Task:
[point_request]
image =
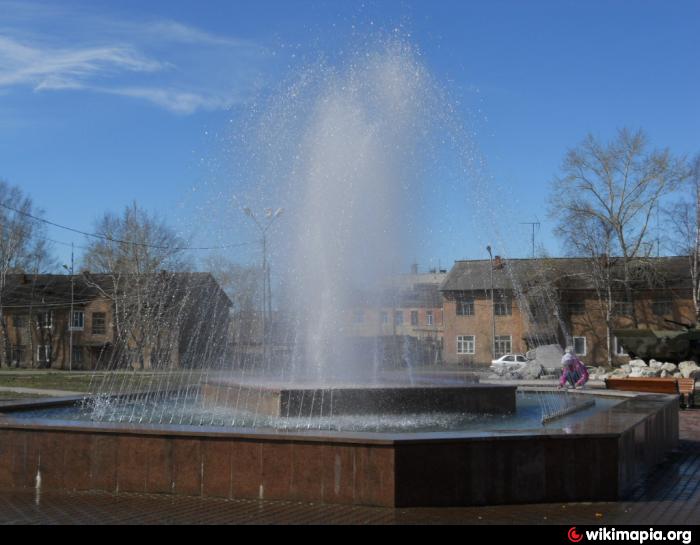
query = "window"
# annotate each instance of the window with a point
(414, 317)
(45, 319)
(503, 345)
(662, 308)
(384, 316)
(618, 349)
(624, 308)
(502, 307)
(576, 307)
(358, 317)
(78, 321)
(579, 346)
(17, 354)
(521, 359)
(19, 321)
(465, 307)
(99, 323)
(466, 344)
(398, 317)
(77, 354)
(428, 317)
(43, 353)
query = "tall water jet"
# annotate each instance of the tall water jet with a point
(356, 184)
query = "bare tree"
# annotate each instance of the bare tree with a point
(243, 285)
(134, 242)
(23, 247)
(135, 248)
(603, 203)
(684, 222)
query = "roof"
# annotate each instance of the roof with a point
(567, 272)
(22, 290)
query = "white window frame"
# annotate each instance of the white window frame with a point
(463, 304)
(618, 349)
(585, 346)
(46, 349)
(463, 344)
(74, 327)
(501, 339)
(43, 323)
(504, 303)
(428, 317)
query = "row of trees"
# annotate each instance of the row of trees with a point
(605, 202)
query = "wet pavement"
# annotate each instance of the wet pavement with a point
(669, 495)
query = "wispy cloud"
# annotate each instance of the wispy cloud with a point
(163, 62)
(48, 68)
(179, 102)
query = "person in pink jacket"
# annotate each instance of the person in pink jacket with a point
(573, 371)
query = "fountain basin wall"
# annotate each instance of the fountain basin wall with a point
(280, 400)
(598, 459)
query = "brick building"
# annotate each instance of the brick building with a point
(408, 306)
(138, 321)
(531, 302)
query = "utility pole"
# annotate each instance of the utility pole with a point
(533, 224)
(70, 317)
(270, 217)
(493, 308)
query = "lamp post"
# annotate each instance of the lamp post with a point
(70, 316)
(493, 308)
(263, 227)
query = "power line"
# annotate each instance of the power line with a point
(118, 241)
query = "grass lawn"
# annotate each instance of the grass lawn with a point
(81, 381)
(9, 396)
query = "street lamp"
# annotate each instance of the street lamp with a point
(493, 308)
(70, 316)
(270, 217)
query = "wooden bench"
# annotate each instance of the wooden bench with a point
(684, 387)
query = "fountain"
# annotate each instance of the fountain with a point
(349, 150)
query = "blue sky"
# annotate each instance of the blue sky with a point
(103, 103)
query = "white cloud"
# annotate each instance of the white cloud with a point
(174, 66)
(44, 67)
(179, 102)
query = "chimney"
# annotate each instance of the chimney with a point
(498, 262)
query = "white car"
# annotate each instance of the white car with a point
(509, 361)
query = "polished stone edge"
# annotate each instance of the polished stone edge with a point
(429, 470)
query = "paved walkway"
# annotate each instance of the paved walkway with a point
(670, 495)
